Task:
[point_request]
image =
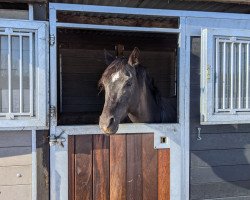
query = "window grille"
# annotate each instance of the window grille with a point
(225, 73)
(232, 74)
(17, 86)
(23, 74)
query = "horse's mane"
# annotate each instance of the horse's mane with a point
(142, 73)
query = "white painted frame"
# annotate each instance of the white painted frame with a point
(40, 31)
(177, 134)
(208, 63)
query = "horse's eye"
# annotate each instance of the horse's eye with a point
(128, 84)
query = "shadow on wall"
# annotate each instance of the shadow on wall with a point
(220, 160)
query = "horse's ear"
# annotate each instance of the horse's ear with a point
(108, 57)
(134, 57)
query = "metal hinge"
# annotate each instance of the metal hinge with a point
(52, 39)
(52, 111)
(57, 140)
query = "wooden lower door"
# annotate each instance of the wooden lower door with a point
(118, 167)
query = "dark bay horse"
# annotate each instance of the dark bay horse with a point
(129, 91)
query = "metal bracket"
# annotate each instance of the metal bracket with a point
(199, 134)
(161, 141)
(52, 111)
(52, 39)
(57, 140)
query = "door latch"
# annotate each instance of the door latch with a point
(57, 140)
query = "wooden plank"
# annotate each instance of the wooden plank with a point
(149, 168)
(220, 141)
(118, 167)
(14, 14)
(12, 177)
(15, 156)
(83, 167)
(134, 167)
(15, 138)
(224, 190)
(71, 167)
(101, 167)
(25, 1)
(16, 192)
(220, 157)
(43, 167)
(220, 174)
(164, 174)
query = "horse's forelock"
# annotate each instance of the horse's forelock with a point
(116, 65)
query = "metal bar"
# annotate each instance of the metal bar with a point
(233, 110)
(31, 74)
(247, 78)
(21, 72)
(144, 11)
(217, 76)
(15, 34)
(123, 28)
(31, 12)
(9, 73)
(232, 77)
(224, 77)
(239, 75)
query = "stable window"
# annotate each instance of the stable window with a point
(225, 76)
(22, 74)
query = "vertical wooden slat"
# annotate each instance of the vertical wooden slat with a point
(149, 167)
(134, 167)
(118, 167)
(71, 161)
(83, 167)
(100, 167)
(164, 174)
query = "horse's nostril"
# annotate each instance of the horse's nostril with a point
(112, 120)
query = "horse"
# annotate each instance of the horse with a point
(130, 92)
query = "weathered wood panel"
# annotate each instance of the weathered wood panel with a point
(123, 167)
(83, 165)
(118, 167)
(15, 175)
(149, 168)
(15, 156)
(15, 139)
(220, 157)
(14, 14)
(134, 166)
(43, 167)
(15, 192)
(164, 174)
(224, 190)
(100, 167)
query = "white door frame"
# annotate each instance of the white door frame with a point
(178, 134)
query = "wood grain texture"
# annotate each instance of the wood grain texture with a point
(118, 167)
(16, 192)
(15, 156)
(83, 167)
(15, 138)
(149, 168)
(100, 167)
(12, 178)
(134, 167)
(164, 174)
(43, 165)
(71, 161)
